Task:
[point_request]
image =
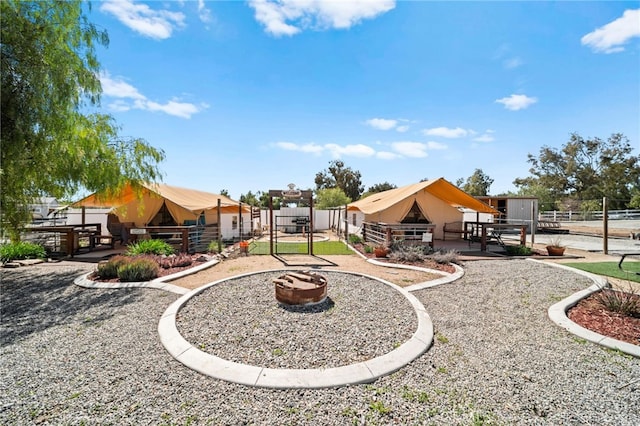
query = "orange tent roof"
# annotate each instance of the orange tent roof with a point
(440, 188)
(190, 199)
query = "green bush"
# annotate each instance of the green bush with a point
(354, 239)
(109, 269)
(21, 250)
(368, 249)
(140, 269)
(518, 250)
(158, 247)
(213, 247)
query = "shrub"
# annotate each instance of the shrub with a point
(109, 269)
(21, 250)
(213, 247)
(518, 250)
(354, 239)
(158, 247)
(139, 269)
(406, 253)
(368, 249)
(175, 261)
(444, 257)
(622, 302)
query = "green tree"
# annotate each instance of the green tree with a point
(225, 193)
(48, 145)
(339, 176)
(250, 198)
(378, 187)
(331, 197)
(477, 184)
(587, 169)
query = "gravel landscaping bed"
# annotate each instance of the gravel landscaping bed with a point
(270, 335)
(73, 355)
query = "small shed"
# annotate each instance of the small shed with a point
(514, 209)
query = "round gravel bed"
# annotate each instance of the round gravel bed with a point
(361, 318)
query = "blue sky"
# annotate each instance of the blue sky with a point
(254, 95)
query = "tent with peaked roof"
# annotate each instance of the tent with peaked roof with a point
(435, 201)
(149, 205)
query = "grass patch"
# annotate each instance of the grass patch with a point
(610, 269)
(320, 248)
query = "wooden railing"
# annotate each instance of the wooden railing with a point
(386, 234)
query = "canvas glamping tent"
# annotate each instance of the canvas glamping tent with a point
(435, 201)
(160, 204)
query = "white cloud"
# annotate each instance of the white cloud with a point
(402, 129)
(487, 136)
(310, 148)
(157, 24)
(446, 132)
(289, 17)
(358, 150)
(122, 90)
(517, 102)
(410, 149)
(203, 12)
(382, 123)
(436, 145)
(118, 88)
(611, 37)
(512, 63)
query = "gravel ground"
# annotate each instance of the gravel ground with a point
(298, 337)
(78, 356)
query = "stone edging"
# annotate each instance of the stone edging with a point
(558, 313)
(447, 277)
(158, 283)
(250, 375)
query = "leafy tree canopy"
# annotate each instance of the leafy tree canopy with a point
(331, 197)
(586, 169)
(48, 145)
(378, 187)
(339, 176)
(477, 184)
(250, 198)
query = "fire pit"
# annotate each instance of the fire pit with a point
(301, 288)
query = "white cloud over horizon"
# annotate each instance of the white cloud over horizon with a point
(389, 124)
(517, 102)
(400, 149)
(447, 132)
(611, 37)
(290, 17)
(156, 24)
(123, 91)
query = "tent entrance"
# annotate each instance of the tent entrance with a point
(415, 215)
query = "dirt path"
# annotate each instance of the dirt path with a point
(351, 263)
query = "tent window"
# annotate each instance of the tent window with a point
(234, 222)
(415, 215)
(354, 219)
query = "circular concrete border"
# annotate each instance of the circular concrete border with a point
(362, 372)
(558, 313)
